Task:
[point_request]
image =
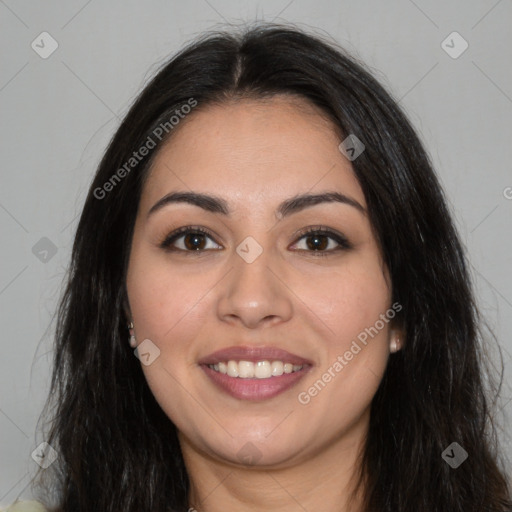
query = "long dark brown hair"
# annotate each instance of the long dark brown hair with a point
(118, 451)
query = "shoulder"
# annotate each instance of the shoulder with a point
(24, 506)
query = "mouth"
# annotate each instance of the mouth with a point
(254, 373)
(259, 370)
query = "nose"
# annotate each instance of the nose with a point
(255, 293)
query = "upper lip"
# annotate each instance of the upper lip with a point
(254, 354)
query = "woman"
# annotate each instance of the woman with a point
(268, 305)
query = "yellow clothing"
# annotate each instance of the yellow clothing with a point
(24, 506)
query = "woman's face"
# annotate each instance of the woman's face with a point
(257, 286)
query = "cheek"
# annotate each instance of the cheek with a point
(163, 297)
(360, 334)
(355, 346)
(346, 301)
(168, 308)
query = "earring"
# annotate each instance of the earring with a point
(393, 346)
(133, 341)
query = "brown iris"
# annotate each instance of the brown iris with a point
(317, 242)
(194, 241)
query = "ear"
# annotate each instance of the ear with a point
(396, 339)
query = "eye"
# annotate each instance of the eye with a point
(317, 240)
(322, 241)
(189, 239)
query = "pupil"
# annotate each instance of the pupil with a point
(319, 242)
(194, 241)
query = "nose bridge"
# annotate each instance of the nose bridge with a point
(253, 291)
(251, 262)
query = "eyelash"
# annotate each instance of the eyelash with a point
(341, 240)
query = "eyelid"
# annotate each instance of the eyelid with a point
(166, 243)
(339, 238)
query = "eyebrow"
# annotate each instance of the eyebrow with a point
(218, 205)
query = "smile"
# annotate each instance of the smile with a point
(258, 369)
(254, 373)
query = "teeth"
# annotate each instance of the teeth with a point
(232, 369)
(262, 370)
(258, 370)
(245, 369)
(277, 368)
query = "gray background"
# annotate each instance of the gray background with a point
(58, 114)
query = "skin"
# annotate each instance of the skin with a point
(256, 154)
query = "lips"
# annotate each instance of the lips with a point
(254, 389)
(254, 354)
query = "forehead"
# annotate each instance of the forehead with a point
(253, 152)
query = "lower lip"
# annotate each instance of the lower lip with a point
(254, 389)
